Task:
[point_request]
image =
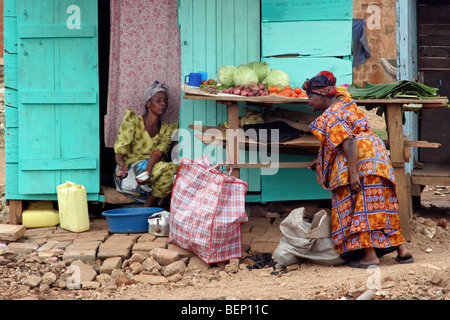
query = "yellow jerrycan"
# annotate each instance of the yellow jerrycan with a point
(73, 208)
(40, 214)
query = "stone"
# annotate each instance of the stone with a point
(49, 278)
(115, 248)
(79, 254)
(90, 285)
(150, 279)
(136, 267)
(178, 267)
(442, 223)
(106, 280)
(20, 247)
(11, 232)
(181, 251)
(164, 257)
(47, 246)
(151, 264)
(32, 281)
(110, 264)
(123, 279)
(147, 246)
(83, 271)
(137, 257)
(196, 264)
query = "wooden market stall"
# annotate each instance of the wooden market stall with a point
(398, 146)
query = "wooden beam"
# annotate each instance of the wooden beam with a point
(397, 145)
(15, 211)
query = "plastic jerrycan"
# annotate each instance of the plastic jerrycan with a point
(73, 208)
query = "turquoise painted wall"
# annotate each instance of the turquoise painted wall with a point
(51, 97)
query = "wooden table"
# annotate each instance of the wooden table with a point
(399, 148)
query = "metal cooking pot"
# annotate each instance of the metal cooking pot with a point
(158, 224)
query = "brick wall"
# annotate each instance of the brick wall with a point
(380, 17)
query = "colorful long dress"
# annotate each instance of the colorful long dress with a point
(368, 218)
(135, 143)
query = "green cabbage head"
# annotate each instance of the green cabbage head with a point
(261, 68)
(225, 75)
(276, 78)
(244, 76)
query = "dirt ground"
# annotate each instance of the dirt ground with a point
(425, 279)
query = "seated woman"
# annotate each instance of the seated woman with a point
(354, 164)
(143, 145)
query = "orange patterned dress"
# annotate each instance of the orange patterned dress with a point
(368, 218)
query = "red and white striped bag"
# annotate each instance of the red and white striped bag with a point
(206, 211)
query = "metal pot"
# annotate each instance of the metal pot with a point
(158, 224)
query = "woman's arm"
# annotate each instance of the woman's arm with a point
(351, 153)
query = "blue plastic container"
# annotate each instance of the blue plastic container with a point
(129, 220)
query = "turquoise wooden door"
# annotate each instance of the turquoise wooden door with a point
(58, 107)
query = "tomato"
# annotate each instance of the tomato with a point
(288, 88)
(297, 90)
(211, 81)
(204, 82)
(279, 89)
(272, 89)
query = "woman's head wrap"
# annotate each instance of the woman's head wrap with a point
(323, 84)
(153, 89)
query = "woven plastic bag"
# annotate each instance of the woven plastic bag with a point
(207, 210)
(302, 240)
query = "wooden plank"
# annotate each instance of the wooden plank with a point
(11, 232)
(434, 63)
(314, 38)
(79, 163)
(395, 132)
(295, 10)
(433, 13)
(433, 51)
(55, 31)
(43, 97)
(10, 34)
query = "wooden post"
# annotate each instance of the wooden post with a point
(15, 211)
(233, 145)
(397, 147)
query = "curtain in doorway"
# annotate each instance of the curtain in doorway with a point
(145, 46)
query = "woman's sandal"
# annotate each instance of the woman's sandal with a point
(407, 259)
(357, 264)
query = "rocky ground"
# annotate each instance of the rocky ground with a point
(38, 270)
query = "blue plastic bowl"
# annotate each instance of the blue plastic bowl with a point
(129, 220)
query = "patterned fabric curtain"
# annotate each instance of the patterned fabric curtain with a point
(145, 46)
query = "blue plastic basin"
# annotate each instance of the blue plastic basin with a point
(129, 220)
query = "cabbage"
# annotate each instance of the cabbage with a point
(225, 75)
(261, 68)
(244, 76)
(276, 78)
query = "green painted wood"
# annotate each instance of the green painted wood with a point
(55, 31)
(11, 145)
(297, 10)
(60, 97)
(11, 70)
(49, 131)
(215, 34)
(323, 38)
(10, 32)
(79, 163)
(301, 68)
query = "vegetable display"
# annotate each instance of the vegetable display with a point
(252, 80)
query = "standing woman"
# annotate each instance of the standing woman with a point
(143, 145)
(354, 164)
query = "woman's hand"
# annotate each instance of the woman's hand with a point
(122, 171)
(355, 182)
